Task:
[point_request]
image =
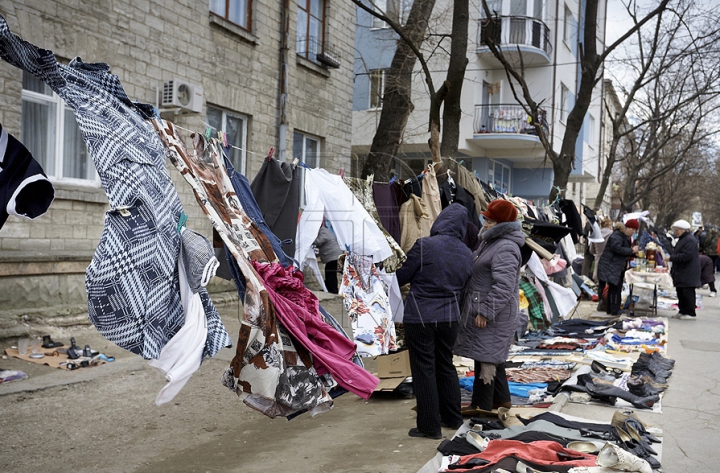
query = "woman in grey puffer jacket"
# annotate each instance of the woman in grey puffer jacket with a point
(488, 319)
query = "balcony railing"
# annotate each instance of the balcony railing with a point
(505, 119)
(512, 30)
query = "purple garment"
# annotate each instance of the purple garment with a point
(298, 310)
(388, 209)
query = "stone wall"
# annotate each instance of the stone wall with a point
(146, 43)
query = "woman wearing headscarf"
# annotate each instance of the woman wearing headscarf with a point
(685, 269)
(490, 305)
(438, 267)
(613, 262)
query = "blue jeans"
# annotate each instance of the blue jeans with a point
(247, 200)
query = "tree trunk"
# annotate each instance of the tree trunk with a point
(452, 110)
(396, 99)
(607, 172)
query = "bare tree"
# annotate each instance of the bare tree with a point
(668, 101)
(396, 104)
(591, 61)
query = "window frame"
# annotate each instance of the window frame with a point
(248, 14)
(303, 159)
(242, 169)
(308, 53)
(564, 102)
(491, 175)
(381, 73)
(375, 22)
(591, 131)
(59, 149)
(567, 25)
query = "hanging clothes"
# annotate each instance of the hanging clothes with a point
(25, 190)
(431, 194)
(448, 195)
(469, 182)
(387, 208)
(277, 191)
(366, 302)
(415, 222)
(327, 196)
(138, 308)
(362, 189)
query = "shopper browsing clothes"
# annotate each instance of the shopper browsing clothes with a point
(490, 307)
(613, 262)
(437, 267)
(329, 252)
(685, 269)
(707, 272)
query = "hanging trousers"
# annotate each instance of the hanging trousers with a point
(331, 276)
(686, 300)
(484, 395)
(435, 381)
(614, 296)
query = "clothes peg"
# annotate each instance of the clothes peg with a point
(208, 133)
(181, 222)
(224, 139)
(271, 153)
(294, 162)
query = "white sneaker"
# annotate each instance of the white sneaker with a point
(612, 456)
(477, 440)
(687, 317)
(713, 294)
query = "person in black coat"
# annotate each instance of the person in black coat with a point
(613, 262)
(438, 268)
(685, 270)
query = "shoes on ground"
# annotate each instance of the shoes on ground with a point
(713, 294)
(686, 317)
(414, 432)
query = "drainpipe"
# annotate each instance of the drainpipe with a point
(284, 79)
(554, 77)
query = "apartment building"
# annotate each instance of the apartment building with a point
(267, 73)
(496, 139)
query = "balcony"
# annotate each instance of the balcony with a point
(530, 35)
(506, 127)
(317, 51)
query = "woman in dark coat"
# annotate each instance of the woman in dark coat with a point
(490, 305)
(707, 273)
(613, 262)
(685, 270)
(438, 267)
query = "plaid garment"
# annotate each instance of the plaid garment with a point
(132, 282)
(536, 310)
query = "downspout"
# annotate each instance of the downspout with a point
(602, 106)
(284, 80)
(554, 77)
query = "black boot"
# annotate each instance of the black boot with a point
(603, 391)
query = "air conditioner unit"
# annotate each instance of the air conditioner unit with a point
(177, 93)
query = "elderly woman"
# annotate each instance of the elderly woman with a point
(613, 262)
(438, 267)
(490, 305)
(685, 269)
(597, 250)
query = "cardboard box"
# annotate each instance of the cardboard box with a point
(392, 370)
(394, 365)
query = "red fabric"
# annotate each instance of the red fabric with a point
(633, 223)
(501, 211)
(544, 452)
(297, 310)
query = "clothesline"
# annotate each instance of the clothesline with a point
(229, 145)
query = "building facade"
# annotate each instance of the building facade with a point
(232, 66)
(496, 139)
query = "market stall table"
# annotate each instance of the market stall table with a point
(656, 279)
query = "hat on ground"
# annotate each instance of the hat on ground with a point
(632, 223)
(501, 211)
(681, 224)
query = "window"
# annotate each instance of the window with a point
(591, 131)
(499, 177)
(51, 134)
(235, 11)
(397, 10)
(310, 28)
(567, 25)
(235, 127)
(307, 149)
(377, 87)
(495, 7)
(564, 102)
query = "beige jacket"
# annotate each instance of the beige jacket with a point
(467, 181)
(415, 222)
(431, 195)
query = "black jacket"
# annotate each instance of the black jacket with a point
(463, 198)
(685, 261)
(611, 267)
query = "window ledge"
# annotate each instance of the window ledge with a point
(81, 193)
(236, 30)
(308, 64)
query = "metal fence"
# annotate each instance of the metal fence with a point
(505, 119)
